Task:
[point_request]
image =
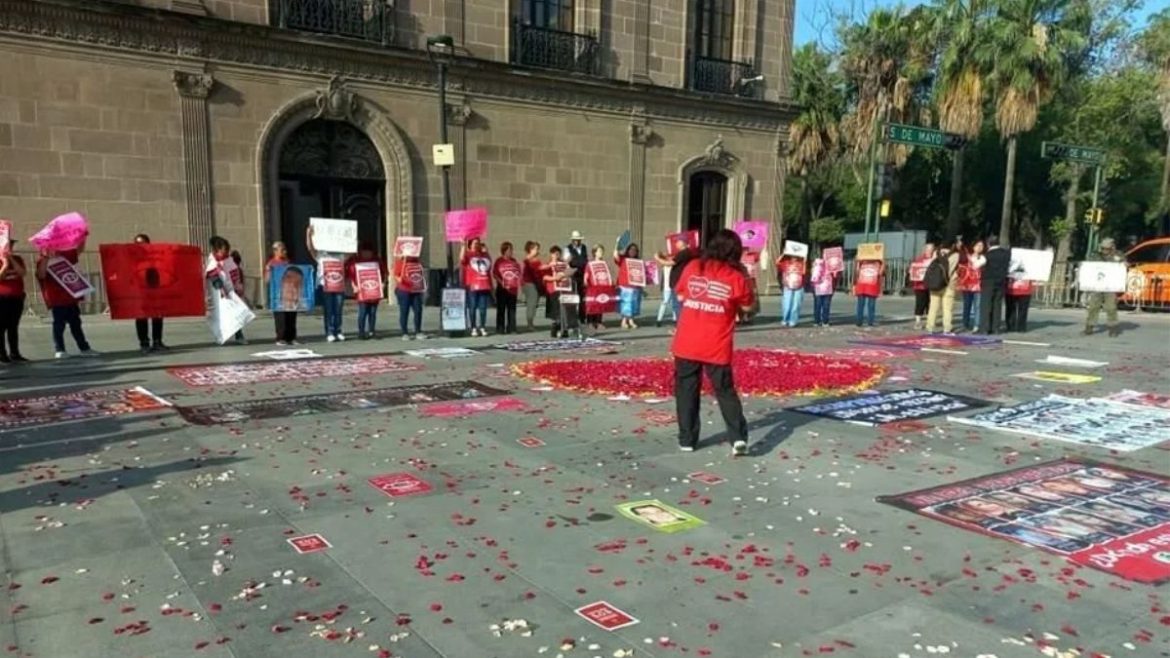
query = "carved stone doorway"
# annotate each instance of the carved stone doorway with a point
(331, 169)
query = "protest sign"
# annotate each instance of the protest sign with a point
(153, 280)
(463, 225)
(929, 341)
(1094, 422)
(1110, 518)
(345, 401)
(794, 248)
(332, 275)
(1127, 396)
(69, 277)
(917, 270)
(657, 515)
(336, 236)
(400, 485)
(62, 233)
(53, 409)
(368, 282)
(688, 238)
(407, 246)
(291, 288)
(1093, 276)
(229, 314)
(871, 251)
(623, 241)
(454, 309)
(636, 272)
(600, 300)
(1059, 377)
(652, 272)
(599, 274)
(878, 407)
(835, 259)
(753, 233)
(415, 278)
(309, 544)
(5, 237)
(707, 478)
(556, 344)
(751, 263)
(565, 283)
(467, 408)
(308, 367)
(606, 616)
(1032, 264)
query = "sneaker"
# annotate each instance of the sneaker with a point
(407, 337)
(281, 343)
(241, 341)
(330, 338)
(160, 346)
(341, 337)
(419, 337)
(90, 354)
(144, 348)
(739, 448)
(16, 358)
(686, 448)
(61, 355)
(294, 342)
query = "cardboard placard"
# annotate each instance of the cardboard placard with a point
(1095, 276)
(835, 259)
(70, 278)
(368, 281)
(752, 233)
(454, 309)
(690, 238)
(871, 251)
(794, 248)
(636, 272)
(408, 246)
(918, 270)
(880, 407)
(565, 284)
(309, 544)
(153, 280)
(332, 275)
(1032, 264)
(415, 277)
(461, 225)
(606, 616)
(292, 288)
(400, 485)
(337, 236)
(599, 274)
(600, 300)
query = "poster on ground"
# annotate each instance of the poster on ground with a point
(1094, 276)
(292, 288)
(657, 515)
(311, 405)
(285, 370)
(879, 407)
(1097, 515)
(442, 353)
(336, 236)
(153, 280)
(1094, 422)
(556, 345)
(930, 341)
(1058, 377)
(1033, 264)
(1159, 400)
(65, 408)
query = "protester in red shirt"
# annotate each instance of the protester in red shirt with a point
(1016, 303)
(533, 283)
(477, 279)
(867, 287)
(556, 273)
(63, 305)
(11, 304)
(713, 291)
(410, 285)
(291, 286)
(367, 308)
(149, 341)
(917, 275)
(508, 274)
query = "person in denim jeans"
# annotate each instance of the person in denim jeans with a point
(867, 287)
(331, 280)
(410, 284)
(62, 304)
(367, 310)
(823, 283)
(790, 270)
(477, 279)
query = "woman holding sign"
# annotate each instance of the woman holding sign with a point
(597, 284)
(477, 278)
(57, 272)
(631, 281)
(331, 279)
(365, 273)
(290, 290)
(790, 270)
(507, 273)
(557, 278)
(411, 283)
(867, 287)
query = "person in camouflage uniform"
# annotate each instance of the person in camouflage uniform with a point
(1107, 251)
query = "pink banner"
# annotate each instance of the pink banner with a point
(62, 233)
(466, 224)
(369, 282)
(835, 259)
(753, 233)
(66, 274)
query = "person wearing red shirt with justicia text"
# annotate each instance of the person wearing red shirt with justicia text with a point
(713, 290)
(12, 298)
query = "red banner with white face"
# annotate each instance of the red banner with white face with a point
(154, 280)
(332, 275)
(368, 280)
(600, 300)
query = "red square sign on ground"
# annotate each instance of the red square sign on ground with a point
(707, 478)
(530, 442)
(397, 485)
(309, 544)
(606, 616)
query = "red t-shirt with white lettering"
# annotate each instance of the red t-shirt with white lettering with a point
(477, 271)
(711, 294)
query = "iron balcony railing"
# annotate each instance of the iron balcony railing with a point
(554, 49)
(368, 20)
(720, 76)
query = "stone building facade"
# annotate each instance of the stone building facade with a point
(187, 118)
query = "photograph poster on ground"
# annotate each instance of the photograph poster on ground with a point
(1097, 515)
(659, 516)
(52, 409)
(308, 367)
(880, 407)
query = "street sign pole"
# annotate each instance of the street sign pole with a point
(1092, 246)
(1081, 155)
(869, 202)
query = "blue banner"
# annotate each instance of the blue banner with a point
(291, 288)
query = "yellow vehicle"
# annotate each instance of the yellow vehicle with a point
(1148, 284)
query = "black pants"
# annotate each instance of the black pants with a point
(1017, 312)
(688, 384)
(505, 311)
(286, 325)
(921, 302)
(11, 308)
(156, 328)
(68, 316)
(990, 307)
(579, 288)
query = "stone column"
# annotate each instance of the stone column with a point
(458, 114)
(194, 89)
(640, 134)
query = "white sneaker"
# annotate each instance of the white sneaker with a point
(61, 355)
(90, 354)
(331, 338)
(421, 336)
(739, 448)
(406, 337)
(281, 343)
(686, 448)
(341, 337)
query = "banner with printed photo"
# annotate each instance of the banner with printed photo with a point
(69, 407)
(636, 270)
(292, 288)
(408, 246)
(153, 280)
(652, 272)
(1158, 400)
(753, 234)
(309, 367)
(368, 282)
(311, 405)
(835, 259)
(600, 300)
(879, 407)
(1094, 422)
(657, 515)
(1110, 518)
(70, 278)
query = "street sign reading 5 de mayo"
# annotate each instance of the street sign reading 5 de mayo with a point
(915, 135)
(1057, 151)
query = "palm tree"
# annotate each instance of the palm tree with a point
(1155, 48)
(814, 137)
(1033, 42)
(963, 64)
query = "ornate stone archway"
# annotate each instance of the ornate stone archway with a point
(715, 158)
(338, 103)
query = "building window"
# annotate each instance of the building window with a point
(707, 204)
(712, 69)
(714, 22)
(368, 20)
(543, 37)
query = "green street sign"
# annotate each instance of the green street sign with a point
(1055, 151)
(916, 136)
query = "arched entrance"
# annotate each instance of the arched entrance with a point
(706, 204)
(330, 169)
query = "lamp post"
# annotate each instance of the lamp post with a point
(440, 50)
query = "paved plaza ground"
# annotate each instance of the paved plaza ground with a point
(145, 535)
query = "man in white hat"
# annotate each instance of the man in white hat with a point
(1107, 252)
(578, 257)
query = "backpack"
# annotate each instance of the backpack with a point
(937, 278)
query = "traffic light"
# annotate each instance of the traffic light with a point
(885, 182)
(1094, 216)
(953, 142)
